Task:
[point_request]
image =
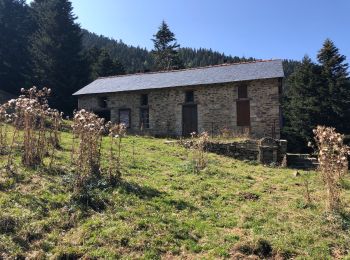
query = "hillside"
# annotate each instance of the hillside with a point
(163, 209)
(136, 59)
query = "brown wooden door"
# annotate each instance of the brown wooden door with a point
(189, 119)
(243, 113)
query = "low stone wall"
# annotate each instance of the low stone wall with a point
(265, 151)
(247, 150)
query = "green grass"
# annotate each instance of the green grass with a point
(162, 209)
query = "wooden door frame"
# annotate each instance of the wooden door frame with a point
(249, 112)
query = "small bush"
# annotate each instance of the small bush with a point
(226, 133)
(332, 156)
(30, 113)
(198, 144)
(116, 134)
(87, 129)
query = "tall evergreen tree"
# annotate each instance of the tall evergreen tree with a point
(335, 91)
(317, 95)
(15, 29)
(166, 49)
(56, 51)
(102, 64)
(301, 104)
(106, 66)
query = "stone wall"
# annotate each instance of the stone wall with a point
(247, 150)
(216, 105)
(265, 151)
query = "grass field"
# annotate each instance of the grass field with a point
(162, 209)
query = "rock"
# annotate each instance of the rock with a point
(169, 142)
(296, 174)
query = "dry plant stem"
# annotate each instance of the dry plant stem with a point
(307, 192)
(111, 155)
(12, 146)
(3, 138)
(88, 130)
(133, 152)
(52, 156)
(198, 146)
(116, 134)
(73, 150)
(3, 130)
(29, 113)
(332, 157)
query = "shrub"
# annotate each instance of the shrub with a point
(31, 113)
(116, 134)
(198, 146)
(332, 157)
(88, 129)
(226, 133)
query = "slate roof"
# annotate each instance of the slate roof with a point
(188, 77)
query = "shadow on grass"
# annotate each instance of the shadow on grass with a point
(54, 170)
(345, 183)
(142, 192)
(345, 217)
(179, 204)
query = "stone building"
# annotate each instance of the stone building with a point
(236, 97)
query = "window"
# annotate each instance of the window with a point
(189, 97)
(242, 91)
(144, 100)
(106, 114)
(102, 102)
(243, 113)
(144, 118)
(125, 117)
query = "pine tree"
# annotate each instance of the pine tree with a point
(301, 105)
(335, 91)
(15, 29)
(166, 49)
(317, 95)
(56, 51)
(106, 66)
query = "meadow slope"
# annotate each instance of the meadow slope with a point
(162, 209)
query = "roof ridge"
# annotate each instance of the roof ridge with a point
(187, 69)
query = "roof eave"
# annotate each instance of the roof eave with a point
(203, 84)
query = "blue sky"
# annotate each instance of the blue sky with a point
(258, 28)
